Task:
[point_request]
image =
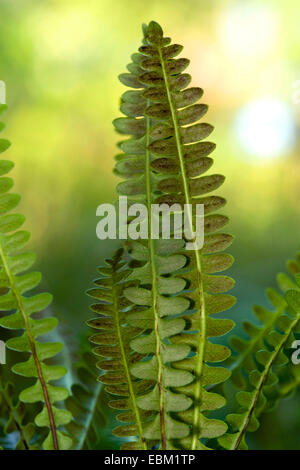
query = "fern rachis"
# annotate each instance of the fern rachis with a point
(187, 197)
(155, 292)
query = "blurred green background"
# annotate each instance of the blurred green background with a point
(60, 60)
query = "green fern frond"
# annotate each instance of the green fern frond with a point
(247, 348)
(85, 406)
(113, 345)
(264, 377)
(289, 381)
(164, 162)
(12, 414)
(157, 259)
(14, 284)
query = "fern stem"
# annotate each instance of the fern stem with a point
(115, 296)
(154, 294)
(33, 349)
(187, 196)
(263, 377)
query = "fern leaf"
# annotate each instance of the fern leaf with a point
(85, 406)
(264, 378)
(15, 284)
(161, 167)
(157, 259)
(244, 362)
(112, 342)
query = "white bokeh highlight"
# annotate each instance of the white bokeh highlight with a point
(265, 129)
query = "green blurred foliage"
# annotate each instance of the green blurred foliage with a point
(60, 60)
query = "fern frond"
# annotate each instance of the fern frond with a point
(263, 379)
(156, 259)
(160, 166)
(289, 380)
(247, 348)
(85, 406)
(14, 284)
(113, 345)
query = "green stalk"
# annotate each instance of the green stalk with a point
(202, 326)
(154, 294)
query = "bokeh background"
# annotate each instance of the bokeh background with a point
(60, 60)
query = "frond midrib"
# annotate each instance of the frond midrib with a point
(202, 307)
(154, 290)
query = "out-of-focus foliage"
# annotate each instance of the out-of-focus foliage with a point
(60, 60)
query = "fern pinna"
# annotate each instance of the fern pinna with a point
(177, 295)
(21, 309)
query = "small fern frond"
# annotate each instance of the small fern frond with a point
(14, 284)
(85, 406)
(247, 348)
(264, 378)
(163, 163)
(289, 379)
(12, 413)
(113, 345)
